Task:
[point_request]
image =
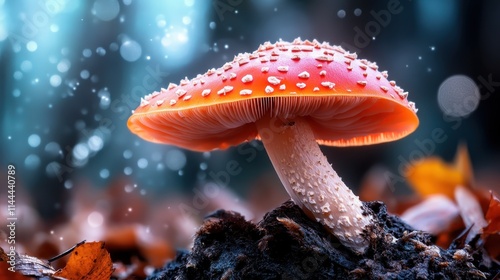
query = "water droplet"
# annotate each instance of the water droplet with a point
(212, 25)
(357, 12)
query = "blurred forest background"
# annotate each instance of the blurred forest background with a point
(71, 72)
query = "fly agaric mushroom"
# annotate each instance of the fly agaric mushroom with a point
(291, 96)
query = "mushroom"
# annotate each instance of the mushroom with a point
(291, 96)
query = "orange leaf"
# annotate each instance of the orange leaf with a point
(434, 176)
(88, 261)
(493, 216)
(7, 272)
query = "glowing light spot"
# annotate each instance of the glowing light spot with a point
(63, 65)
(55, 80)
(31, 46)
(87, 53)
(32, 161)
(175, 159)
(106, 10)
(127, 170)
(84, 74)
(142, 163)
(34, 140)
(95, 143)
(104, 173)
(130, 50)
(95, 219)
(26, 65)
(458, 96)
(186, 20)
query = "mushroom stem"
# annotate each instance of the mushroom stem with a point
(312, 183)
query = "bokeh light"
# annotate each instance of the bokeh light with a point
(458, 96)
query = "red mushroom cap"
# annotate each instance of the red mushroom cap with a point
(347, 101)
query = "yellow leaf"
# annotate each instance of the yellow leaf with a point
(434, 176)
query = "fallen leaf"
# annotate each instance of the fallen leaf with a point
(470, 211)
(88, 261)
(7, 273)
(34, 267)
(434, 176)
(493, 216)
(435, 214)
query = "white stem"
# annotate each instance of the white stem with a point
(312, 183)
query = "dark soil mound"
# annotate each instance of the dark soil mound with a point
(286, 244)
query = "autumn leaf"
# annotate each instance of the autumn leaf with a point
(89, 261)
(435, 214)
(7, 273)
(434, 176)
(470, 211)
(493, 216)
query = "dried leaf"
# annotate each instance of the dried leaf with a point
(34, 267)
(6, 272)
(434, 176)
(493, 216)
(470, 211)
(23, 265)
(88, 261)
(435, 214)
